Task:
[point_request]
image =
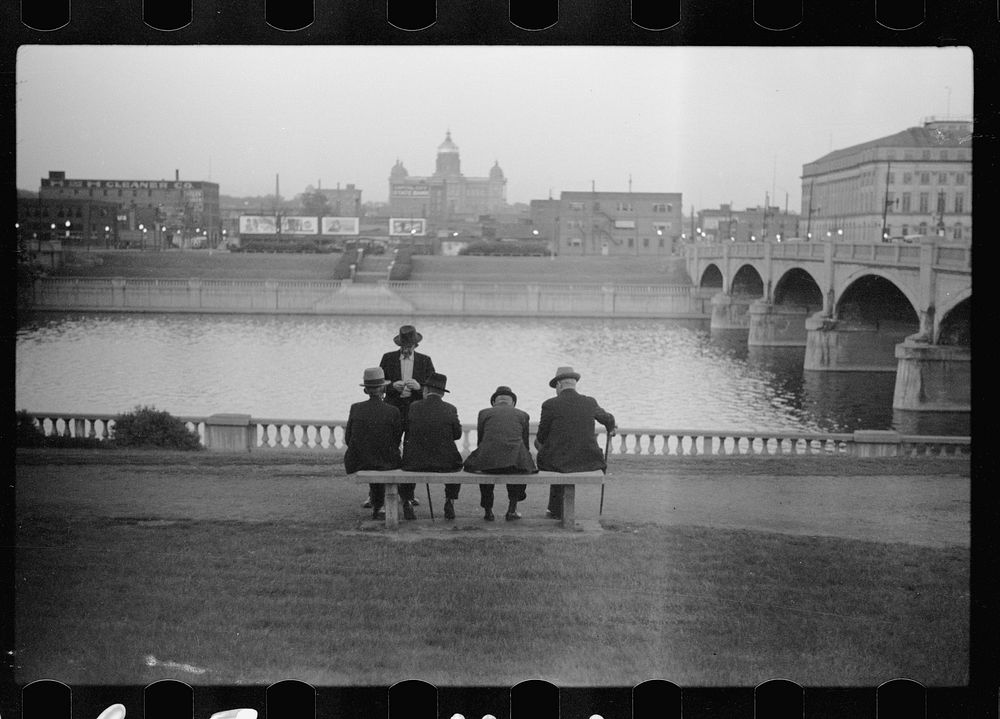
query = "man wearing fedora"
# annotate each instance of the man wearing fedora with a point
(429, 442)
(372, 435)
(405, 369)
(502, 447)
(566, 441)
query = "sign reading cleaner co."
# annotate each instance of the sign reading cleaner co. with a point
(124, 184)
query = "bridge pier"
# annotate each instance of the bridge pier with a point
(730, 313)
(840, 346)
(932, 378)
(774, 325)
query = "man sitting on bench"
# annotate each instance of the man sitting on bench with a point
(565, 439)
(502, 447)
(429, 444)
(372, 435)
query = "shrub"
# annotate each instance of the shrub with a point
(508, 249)
(147, 427)
(342, 270)
(26, 432)
(402, 265)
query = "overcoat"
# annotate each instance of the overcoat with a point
(390, 364)
(502, 441)
(429, 445)
(372, 436)
(566, 433)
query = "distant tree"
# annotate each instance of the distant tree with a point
(314, 203)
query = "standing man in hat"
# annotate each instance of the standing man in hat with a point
(372, 435)
(501, 448)
(565, 439)
(405, 369)
(429, 443)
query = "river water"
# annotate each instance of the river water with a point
(648, 373)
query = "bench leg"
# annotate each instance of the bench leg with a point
(569, 506)
(391, 506)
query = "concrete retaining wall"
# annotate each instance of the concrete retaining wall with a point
(346, 298)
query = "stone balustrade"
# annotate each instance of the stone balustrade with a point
(228, 432)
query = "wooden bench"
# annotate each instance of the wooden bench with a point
(392, 478)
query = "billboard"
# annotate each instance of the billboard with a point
(407, 226)
(299, 225)
(258, 225)
(339, 225)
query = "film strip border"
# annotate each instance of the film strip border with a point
(654, 16)
(413, 699)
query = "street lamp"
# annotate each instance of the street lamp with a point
(52, 231)
(107, 236)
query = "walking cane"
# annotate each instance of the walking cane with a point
(430, 506)
(607, 445)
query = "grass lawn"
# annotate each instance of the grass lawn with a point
(199, 264)
(256, 569)
(177, 264)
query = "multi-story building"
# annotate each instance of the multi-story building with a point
(176, 208)
(611, 223)
(749, 225)
(447, 194)
(340, 202)
(915, 182)
(72, 221)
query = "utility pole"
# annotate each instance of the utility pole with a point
(809, 216)
(886, 202)
(763, 222)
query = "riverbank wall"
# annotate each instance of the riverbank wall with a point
(503, 299)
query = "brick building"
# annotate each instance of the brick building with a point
(749, 225)
(611, 223)
(178, 209)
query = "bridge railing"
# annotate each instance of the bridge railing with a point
(277, 434)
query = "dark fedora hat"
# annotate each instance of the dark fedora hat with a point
(563, 373)
(407, 335)
(503, 389)
(437, 381)
(375, 377)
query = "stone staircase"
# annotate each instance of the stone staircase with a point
(373, 269)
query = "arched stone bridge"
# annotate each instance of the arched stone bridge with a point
(854, 307)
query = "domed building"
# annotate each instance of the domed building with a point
(447, 195)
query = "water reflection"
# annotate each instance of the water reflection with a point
(649, 373)
(849, 400)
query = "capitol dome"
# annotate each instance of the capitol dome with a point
(398, 172)
(495, 172)
(447, 145)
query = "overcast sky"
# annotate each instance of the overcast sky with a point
(716, 124)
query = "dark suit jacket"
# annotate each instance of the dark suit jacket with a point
(422, 367)
(502, 441)
(566, 433)
(430, 437)
(372, 436)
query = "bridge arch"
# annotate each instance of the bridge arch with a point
(955, 325)
(711, 278)
(798, 287)
(875, 300)
(747, 282)
(885, 277)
